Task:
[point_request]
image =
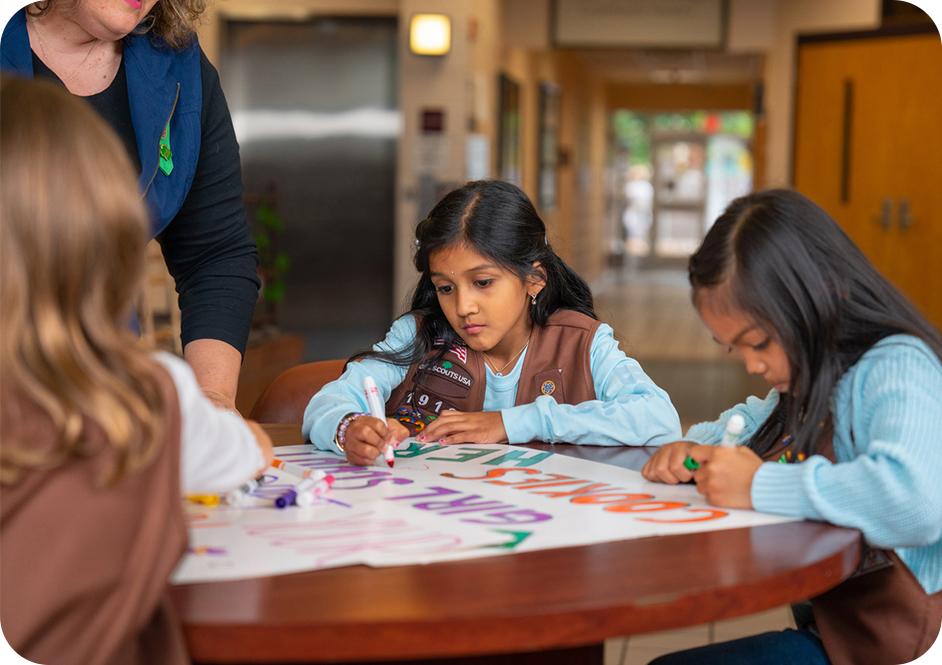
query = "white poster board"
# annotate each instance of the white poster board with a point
(441, 503)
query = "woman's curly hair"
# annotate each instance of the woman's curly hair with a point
(174, 21)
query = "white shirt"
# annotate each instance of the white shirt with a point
(218, 451)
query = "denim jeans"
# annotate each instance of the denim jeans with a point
(785, 647)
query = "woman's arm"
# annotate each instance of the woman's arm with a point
(212, 257)
(216, 365)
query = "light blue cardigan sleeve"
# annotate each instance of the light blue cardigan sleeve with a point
(754, 410)
(886, 481)
(345, 395)
(629, 410)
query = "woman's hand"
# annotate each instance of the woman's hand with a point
(667, 464)
(465, 427)
(366, 437)
(725, 474)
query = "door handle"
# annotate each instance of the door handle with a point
(905, 218)
(885, 220)
(846, 139)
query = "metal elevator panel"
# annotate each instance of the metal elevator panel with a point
(315, 108)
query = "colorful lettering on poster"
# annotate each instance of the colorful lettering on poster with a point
(332, 540)
(586, 492)
(496, 513)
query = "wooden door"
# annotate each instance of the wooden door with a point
(868, 143)
(916, 237)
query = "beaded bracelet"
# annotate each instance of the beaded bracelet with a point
(341, 438)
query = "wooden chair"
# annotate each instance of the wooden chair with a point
(158, 311)
(285, 399)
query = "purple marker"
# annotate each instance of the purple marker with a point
(304, 493)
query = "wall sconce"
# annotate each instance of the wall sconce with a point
(430, 34)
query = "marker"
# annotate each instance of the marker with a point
(734, 427)
(297, 469)
(377, 411)
(304, 493)
(238, 496)
(204, 499)
(307, 497)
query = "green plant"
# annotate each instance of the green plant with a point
(274, 263)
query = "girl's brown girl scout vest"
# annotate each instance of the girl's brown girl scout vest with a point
(84, 569)
(880, 615)
(556, 364)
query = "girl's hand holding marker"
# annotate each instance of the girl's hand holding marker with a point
(369, 435)
(723, 473)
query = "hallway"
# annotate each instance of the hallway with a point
(657, 325)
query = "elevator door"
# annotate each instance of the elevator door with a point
(315, 110)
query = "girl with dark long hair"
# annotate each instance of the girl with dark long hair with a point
(501, 345)
(851, 432)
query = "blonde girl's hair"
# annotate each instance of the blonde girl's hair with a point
(174, 21)
(72, 238)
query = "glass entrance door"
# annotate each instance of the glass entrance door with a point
(680, 195)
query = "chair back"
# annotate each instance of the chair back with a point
(285, 399)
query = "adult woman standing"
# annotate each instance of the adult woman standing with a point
(138, 63)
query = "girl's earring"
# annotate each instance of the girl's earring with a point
(532, 299)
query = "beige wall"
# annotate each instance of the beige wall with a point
(463, 84)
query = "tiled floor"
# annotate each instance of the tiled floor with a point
(652, 316)
(642, 649)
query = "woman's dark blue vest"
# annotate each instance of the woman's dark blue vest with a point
(164, 88)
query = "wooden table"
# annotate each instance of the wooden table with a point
(550, 606)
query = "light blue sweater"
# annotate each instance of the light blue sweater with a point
(629, 410)
(887, 481)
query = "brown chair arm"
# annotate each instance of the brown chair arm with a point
(285, 399)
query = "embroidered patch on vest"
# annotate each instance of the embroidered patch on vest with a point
(548, 387)
(459, 350)
(444, 378)
(412, 419)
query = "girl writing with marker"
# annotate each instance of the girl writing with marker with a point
(99, 436)
(501, 345)
(850, 433)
